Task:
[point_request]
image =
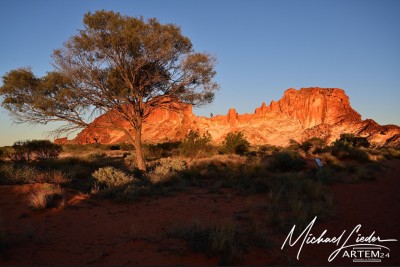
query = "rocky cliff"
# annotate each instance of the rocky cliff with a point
(299, 115)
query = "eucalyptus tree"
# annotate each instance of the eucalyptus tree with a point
(121, 66)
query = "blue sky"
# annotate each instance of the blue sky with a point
(262, 48)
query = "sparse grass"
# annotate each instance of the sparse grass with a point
(13, 173)
(219, 240)
(49, 196)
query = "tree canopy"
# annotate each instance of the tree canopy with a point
(115, 63)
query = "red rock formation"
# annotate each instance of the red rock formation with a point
(299, 115)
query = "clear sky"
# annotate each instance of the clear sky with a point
(262, 47)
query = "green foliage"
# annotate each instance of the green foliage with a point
(235, 142)
(286, 161)
(195, 144)
(163, 69)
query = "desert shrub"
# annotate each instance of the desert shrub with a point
(391, 152)
(351, 140)
(166, 168)
(49, 196)
(235, 143)
(11, 173)
(96, 155)
(286, 161)
(126, 147)
(342, 151)
(5, 152)
(293, 145)
(160, 150)
(44, 149)
(224, 242)
(34, 149)
(315, 144)
(109, 177)
(218, 239)
(21, 152)
(348, 147)
(115, 147)
(195, 144)
(267, 150)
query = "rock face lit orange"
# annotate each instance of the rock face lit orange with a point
(299, 115)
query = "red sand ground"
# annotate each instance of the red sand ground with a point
(88, 231)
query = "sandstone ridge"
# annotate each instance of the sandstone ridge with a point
(299, 115)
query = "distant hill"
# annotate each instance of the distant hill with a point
(298, 115)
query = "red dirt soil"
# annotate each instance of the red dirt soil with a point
(99, 232)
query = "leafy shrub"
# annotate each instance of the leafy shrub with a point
(286, 161)
(235, 143)
(194, 144)
(109, 177)
(34, 149)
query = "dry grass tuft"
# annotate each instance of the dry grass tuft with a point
(49, 196)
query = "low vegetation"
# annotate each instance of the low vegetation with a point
(48, 196)
(294, 187)
(235, 143)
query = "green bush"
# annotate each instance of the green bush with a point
(286, 161)
(109, 177)
(194, 144)
(235, 143)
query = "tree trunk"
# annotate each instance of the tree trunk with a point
(141, 163)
